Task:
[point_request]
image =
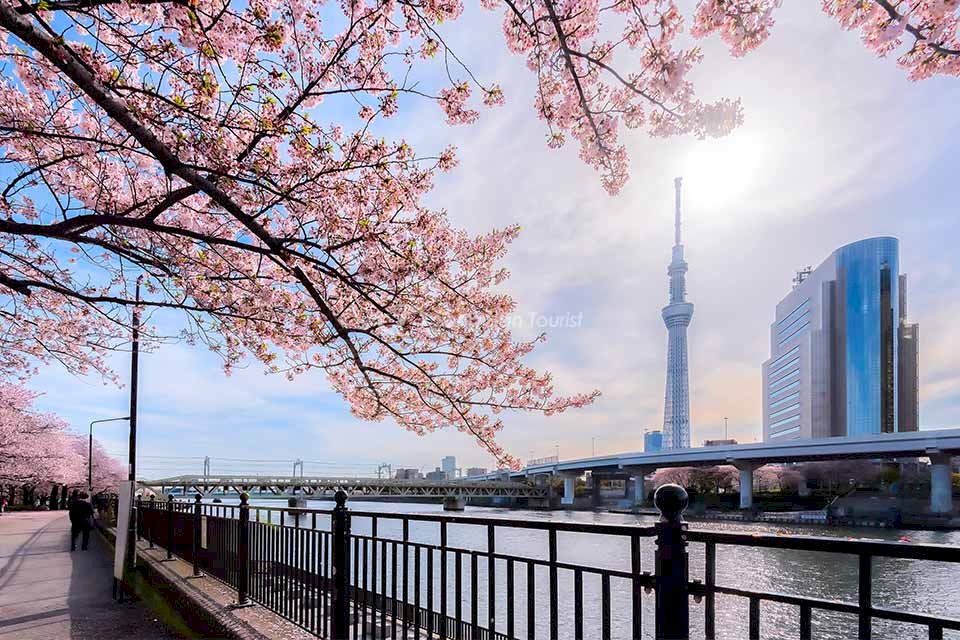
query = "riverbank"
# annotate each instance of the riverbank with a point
(818, 518)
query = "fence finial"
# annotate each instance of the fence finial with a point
(341, 497)
(672, 565)
(671, 500)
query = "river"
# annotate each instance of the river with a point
(911, 585)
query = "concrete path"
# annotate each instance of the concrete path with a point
(49, 593)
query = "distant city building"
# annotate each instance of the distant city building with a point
(721, 442)
(473, 472)
(449, 465)
(437, 475)
(652, 441)
(843, 358)
(545, 460)
(408, 474)
(908, 342)
(676, 317)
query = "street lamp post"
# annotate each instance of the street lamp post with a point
(131, 559)
(90, 451)
(134, 375)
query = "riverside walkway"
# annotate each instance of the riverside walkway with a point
(49, 593)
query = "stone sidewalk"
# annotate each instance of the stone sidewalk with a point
(49, 593)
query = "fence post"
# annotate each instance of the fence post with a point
(153, 520)
(672, 569)
(340, 522)
(139, 516)
(196, 536)
(243, 551)
(169, 526)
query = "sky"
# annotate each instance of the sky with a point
(837, 145)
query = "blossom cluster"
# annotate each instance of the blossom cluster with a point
(37, 449)
(925, 35)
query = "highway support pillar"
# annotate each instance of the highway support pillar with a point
(596, 490)
(639, 489)
(454, 502)
(638, 475)
(569, 488)
(746, 470)
(941, 497)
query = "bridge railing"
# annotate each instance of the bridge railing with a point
(352, 574)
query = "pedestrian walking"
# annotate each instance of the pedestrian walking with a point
(81, 520)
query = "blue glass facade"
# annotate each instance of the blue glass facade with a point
(843, 357)
(652, 441)
(868, 295)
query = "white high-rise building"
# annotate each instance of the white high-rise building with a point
(677, 316)
(449, 465)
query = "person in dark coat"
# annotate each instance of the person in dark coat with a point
(81, 521)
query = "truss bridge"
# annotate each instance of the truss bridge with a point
(306, 487)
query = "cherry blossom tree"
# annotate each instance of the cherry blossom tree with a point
(834, 475)
(699, 479)
(673, 475)
(600, 65)
(35, 447)
(783, 478)
(767, 478)
(108, 472)
(926, 33)
(225, 155)
(718, 479)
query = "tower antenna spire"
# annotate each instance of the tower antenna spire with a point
(677, 182)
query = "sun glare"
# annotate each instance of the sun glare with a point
(718, 173)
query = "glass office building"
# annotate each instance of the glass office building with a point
(835, 367)
(868, 273)
(652, 441)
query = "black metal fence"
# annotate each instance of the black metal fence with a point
(351, 574)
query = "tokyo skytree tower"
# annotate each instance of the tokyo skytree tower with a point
(677, 316)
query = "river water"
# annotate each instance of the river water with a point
(912, 585)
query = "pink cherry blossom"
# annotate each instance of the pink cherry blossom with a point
(37, 449)
(201, 149)
(925, 34)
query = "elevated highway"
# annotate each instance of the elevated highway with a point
(939, 445)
